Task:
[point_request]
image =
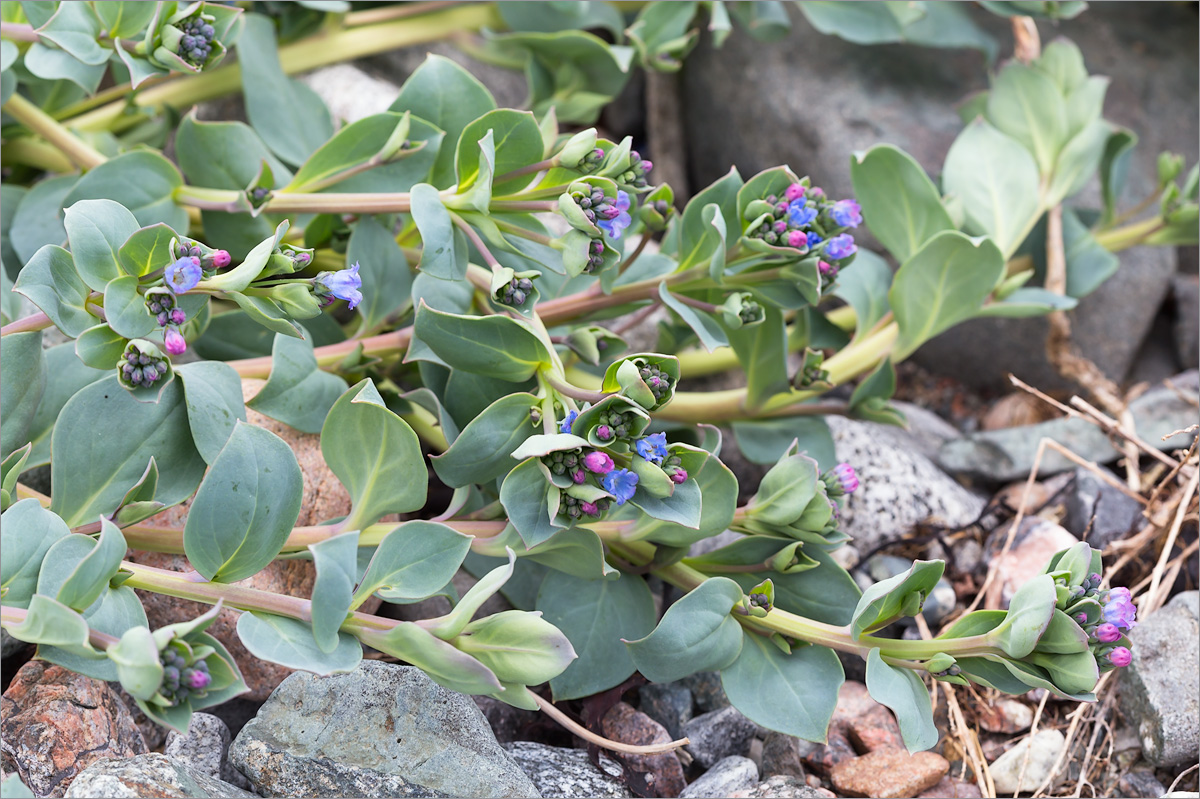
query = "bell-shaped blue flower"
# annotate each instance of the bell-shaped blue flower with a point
(344, 285)
(618, 223)
(183, 275)
(653, 447)
(621, 483)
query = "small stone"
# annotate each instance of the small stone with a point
(1042, 751)
(781, 787)
(55, 723)
(205, 748)
(1036, 541)
(824, 757)
(662, 771)
(782, 755)
(1093, 503)
(568, 773)
(1159, 695)
(940, 603)
(716, 735)
(950, 788)
(726, 776)
(670, 704)
(706, 690)
(865, 722)
(1186, 290)
(1140, 783)
(150, 775)
(1005, 715)
(409, 737)
(10, 646)
(887, 773)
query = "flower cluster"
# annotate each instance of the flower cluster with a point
(182, 679)
(195, 45)
(635, 176)
(142, 364)
(514, 292)
(1105, 615)
(804, 219)
(658, 381)
(163, 306)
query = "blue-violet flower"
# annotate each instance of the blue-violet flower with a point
(1119, 609)
(653, 447)
(619, 222)
(183, 275)
(621, 483)
(846, 213)
(344, 285)
(842, 246)
(565, 427)
(799, 214)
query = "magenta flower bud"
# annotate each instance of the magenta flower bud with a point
(598, 462)
(824, 267)
(175, 342)
(1120, 657)
(221, 259)
(1081, 618)
(794, 192)
(817, 192)
(177, 316)
(604, 432)
(578, 476)
(797, 239)
(846, 477)
(589, 508)
(198, 680)
(679, 476)
(1107, 633)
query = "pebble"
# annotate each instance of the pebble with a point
(411, 737)
(1140, 783)
(205, 748)
(1005, 715)
(707, 690)
(1036, 541)
(719, 734)
(150, 775)
(887, 773)
(724, 778)
(663, 771)
(1106, 514)
(670, 704)
(824, 757)
(781, 755)
(507, 722)
(867, 724)
(1159, 694)
(55, 723)
(950, 788)
(568, 773)
(1043, 750)
(782, 787)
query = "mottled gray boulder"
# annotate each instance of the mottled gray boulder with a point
(567, 773)
(380, 730)
(1008, 454)
(150, 775)
(1116, 515)
(898, 486)
(205, 748)
(717, 735)
(1159, 695)
(728, 775)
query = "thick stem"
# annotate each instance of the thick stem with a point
(11, 615)
(19, 32)
(28, 151)
(28, 324)
(573, 391)
(80, 152)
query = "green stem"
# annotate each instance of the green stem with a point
(37, 321)
(574, 392)
(80, 152)
(28, 151)
(1126, 236)
(11, 615)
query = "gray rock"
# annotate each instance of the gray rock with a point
(1159, 695)
(898, 486)
(783, 754)
(927, 431)
(8, 645)
(1140, 783)
(780, 787)
(150, 775)
(561, 772)
(408, 734)
(1004, 455)
(712, 543)
(728, 775)
(507, 722)
(349, 93)
(1042, 750)
(706, 690)
(717, 735)
(1186, 291)
(205, 748)
(940, 602)
(670, 704)
(1116, 514)
(1181, 795)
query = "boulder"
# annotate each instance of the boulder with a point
(151, 775)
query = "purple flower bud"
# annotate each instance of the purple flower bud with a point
(604, 432)
(598, 462)
(177, 316)
(174, 342)
(1081, 618)
(1120, 657)
(1106, 633)
(796, 239)
(589, 508)
(847, 478)
(794, 192)
(198, 680)
(578, 476)
(221, 259)
(679, 476)
(825, 268)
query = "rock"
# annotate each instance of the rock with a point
(561, 772)
(898, 486)
(1111, 514)
(718, 734)
(950, 788)
(410, 737)
(726, 776)
(663, 771)
(55, 723)
(507, 722)
(1158, 689)
(205, 748)
(1015, 410)
(782, 755)
(1037, 754)
(670, 704)
(349, 93)
(824, 757)
(1140, 783)
(888, 773)
(1003, 455)
(153, 733)
(150, 775)
(1004, 715)
(782, 788)
(10, 646)
(706, 690)
(1186, 291)
(927, 431)
(1036, 541)
(868, 724)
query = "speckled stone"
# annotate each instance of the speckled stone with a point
(723, 779)
(205, 748)
(670, 704)
(150, 775)
(781, 787)
(567, 773)
(718, 735)
(888, 773)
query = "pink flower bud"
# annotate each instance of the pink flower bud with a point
(589, 508)
(797, 238)
(221, 259)
(1120, 657)
(604, 432)
(598, 462)
(679, 476)
(175, 342)
(178, 317)
(578, 476)
(824, 267)
(1107, 633)
(794, 192)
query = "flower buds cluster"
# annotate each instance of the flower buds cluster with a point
(803, 219)
(163, 306)
(812, 373)
(181, 679)
(142, 364)
(514, 292)
(639, 169)
(195, 44)
(658, 381)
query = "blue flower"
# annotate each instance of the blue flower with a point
(183, 275)
(846, 213)
(814, 239)
(621, 483)
(799, 214)
(565, 427)
(344, 285)
(653, 447)
(841, 246)
(619, 222)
